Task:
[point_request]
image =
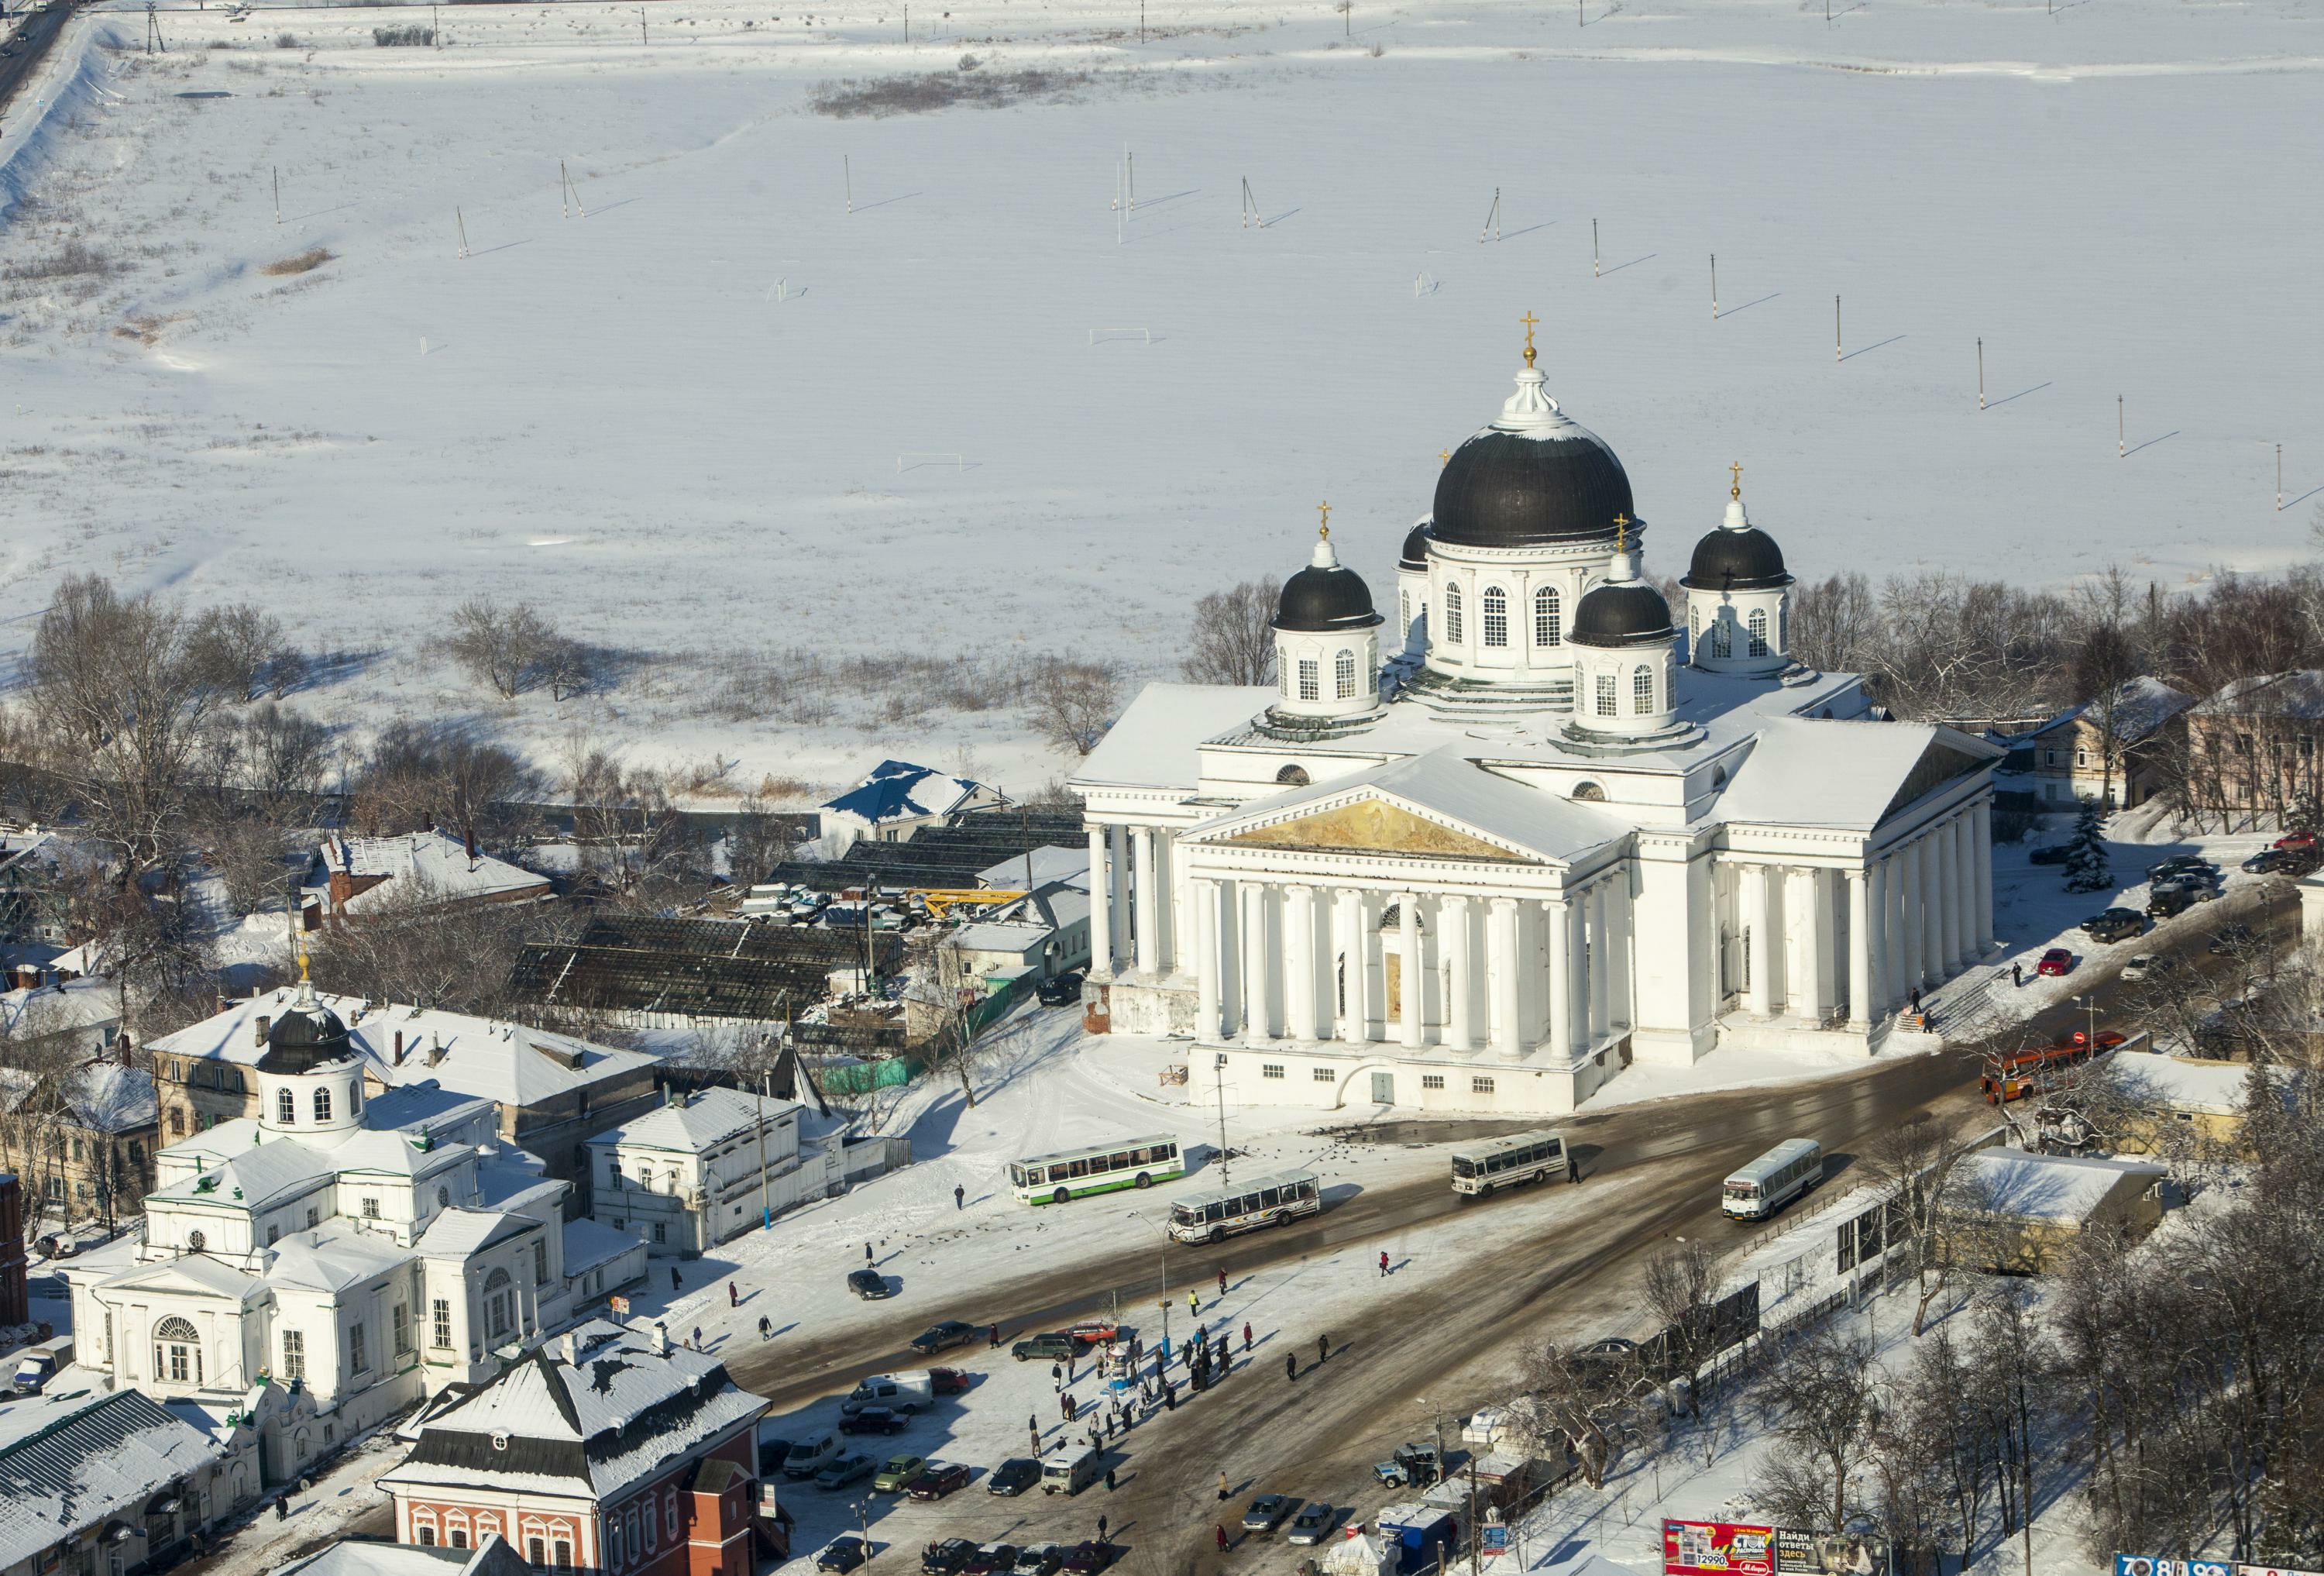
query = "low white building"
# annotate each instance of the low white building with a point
(698, 1169)
(356, 875)
(318, 1268)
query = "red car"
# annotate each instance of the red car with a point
(937, 1479)
(2295, 840)
(2056, 961)
(2108, 1038)
(1090, 1558)
(948, 1381)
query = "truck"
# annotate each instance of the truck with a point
(896, 1392)
(1420, 1534)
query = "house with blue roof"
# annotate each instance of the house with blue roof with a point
(897, 798)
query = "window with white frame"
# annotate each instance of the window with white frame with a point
(1270, 1069)
(1310, 684)
(403, 1324)
(497, 1294)
(1642, 690)
(1345, 673)
(1758, 632)
(1497, 616)
(1480, 1085)
(294, 1354)
(177, 1353)
(440, 1322)
(322, 1105)
(1548, 622)
(286, 1107)
(1605, 695)
(358, 1349)
(1432, 1080)
(1452, 612)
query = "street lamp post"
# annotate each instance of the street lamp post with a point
(1163, 1290)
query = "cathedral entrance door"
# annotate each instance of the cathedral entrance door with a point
(1392, 966)
(1383, 1089)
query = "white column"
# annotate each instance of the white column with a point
(1619, 1008)
(1832, 969)
(1981, 854)
(1453, 935)
(1348, 943)
(1859, 950)
(1904, 960)
(1949, 903)
(1558, 1033)
(1411, 986)
(1575, 1029)
(1299, 962)
(1932, 909)
(1254, 960)
(1117, 872)
(1501, 975)
(1149, 919)
(1803, 960)
(1759, 997)
(1906, 879)
(1972, 945)
(1101, 906)
(1208, 962)
(1602, 977)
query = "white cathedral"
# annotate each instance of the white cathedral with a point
(1551, 833)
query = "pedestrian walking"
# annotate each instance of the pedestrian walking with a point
(1057, 1376)
(1383, 1263)
(282, 1508)
(1069, 1367)
(1108, 1480)
(1037, 1441)
(697, 1338)
(675, 1283)
(867, 1253)
(959, 1194)
(1194, 1303)
(1916, 1000)
(1246, 1337)
(1223, 1490)
(1223, 1283)
(995, 1340)
(733, 1297)
(2017, 974)
(1100, 1529)
(1222, 1539)
(766, 1330)
(1169, 1396)
(1323, 1349)
(1290, 1365)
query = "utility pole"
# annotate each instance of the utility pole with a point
(1219, 1077)
(766, 1209)
(642, 25)
(277, 194)
(1981, 372)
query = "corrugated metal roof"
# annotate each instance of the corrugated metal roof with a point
(85, 1458)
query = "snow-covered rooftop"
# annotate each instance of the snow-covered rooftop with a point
(2015, 1185)
(1051, 865)
(430, 866)
(104, 1097)
(899, 790)
(89, 1003)
(330, 1259)
(353, 1557)
(588, 1244)
(2298, 693)
(696, 1121)
(75, 1457)
(1152, 744)
(2213, 1088)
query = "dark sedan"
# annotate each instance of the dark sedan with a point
(843, 1554)
(875, 1420)
(937, 1479)
(1088, 1559)
(1013, 1476)
(867, 1283)
(945, 1332)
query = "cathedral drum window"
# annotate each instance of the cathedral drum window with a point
(1605, 695)
(1642, 691)
(1452, 612)
(286, 1107)
(322, 1105)
(1758, 626)
(1548, 630)
(1311, 685)
(1344, 674)
(1497, 616)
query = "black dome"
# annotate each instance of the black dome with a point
(1513, 490)
(1737, 560)
(1625, 612)
(1415, 548)
(308, 1035)
(1319, 600)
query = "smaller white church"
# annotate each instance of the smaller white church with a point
(311, 1273)
(1486, 852)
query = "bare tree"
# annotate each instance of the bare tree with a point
(1583, 1397)
(499, 646)
(1071, 705)
(1824, 1384)
(410, 946)
(1233, 638)
(238, 647)
(1913, 1163)
(416, 777)
(1682, 1289)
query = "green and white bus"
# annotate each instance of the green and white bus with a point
(1052, 1179)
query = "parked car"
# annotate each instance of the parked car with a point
(1314, 1523)
(896, 1392)
(993, 1560)
(810, 1455)
(875, 1420)
(2266, 861)
(2140, 966)
(948, 1381)
(2056, 961)
(1014, 1476)
(2167, 902)
(946, 1557)
(943, 1333)
(2295, 840)
(1061, 991)
(2115, 925)
(2054, 855)
(847, 1470)
(2299, 862)
(2200, 885)
(35, 1372)
(896, 1471)
(2229, 938)
(1266, 1512)
(1051, 1346)
(843, 1554)
(1413, 1466)
(2108, 1038)
(2185, 862)
(1040, 1559)
(868, 1283)
(937, 1479)
(1089, 1558)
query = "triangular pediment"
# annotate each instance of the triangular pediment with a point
(1375, 825)
(1941, 762)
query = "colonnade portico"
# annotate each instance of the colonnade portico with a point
(1282, 958)
(1135, 919)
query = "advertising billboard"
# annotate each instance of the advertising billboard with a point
(1690, 1548)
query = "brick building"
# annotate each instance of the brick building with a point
(352, 875)
(605, 1450)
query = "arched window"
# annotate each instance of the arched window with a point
(1758, 632)
(1283, 679)
(1497, 616)
(1588, 791)
(1293, 777)
(354, 1098)
(1720, 645)
(1404, 610)
(1345, 672)
(322, 1105)
(1784, 624)
(1452, 612)
(177, 1353)
(1694, 632)
(497, 1294)
(1311, 686)
(1642, 691)
(1605, 695)
(1548, 623)
(286, 1107)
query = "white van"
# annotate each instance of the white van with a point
(1071, 1475)
(896, 1392)
(810, 1455)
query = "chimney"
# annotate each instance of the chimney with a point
(125, 1049)
(259, 1026)
(660, 1339)
(399, 1049)
(572, 1344)
(435, 1049)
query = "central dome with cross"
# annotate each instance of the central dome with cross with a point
(1533, 475)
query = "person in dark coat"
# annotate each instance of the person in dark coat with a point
(1246, 1338)
(1100, 1529)
(1169, 1396)
(1223, 1283)
(1108, 1480)
(1290, 1366)
(733, 1297)
(1057, 1376)
(995, 1341)
(1222, 1539)
(958, 1194)
(1323, 1349)
(2018, 976)
(675, 1283)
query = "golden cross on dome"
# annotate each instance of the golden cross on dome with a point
(1621, 533)
(1735, 491)
(1529, 320)
(1443, 456)
(302, 965)
(1324, 529)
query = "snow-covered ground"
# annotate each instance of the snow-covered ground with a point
(685, 425)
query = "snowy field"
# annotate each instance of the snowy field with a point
(685, 426)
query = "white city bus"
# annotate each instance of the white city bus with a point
(1262, 1201)
(1772, 1181)
(1052, 1179)
(1535, 1157)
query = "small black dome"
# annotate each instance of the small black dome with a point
(1737, 560)
(308, 1035)
(1621, 612)
(1320, 599)
(1415, 548)
(1514, 490)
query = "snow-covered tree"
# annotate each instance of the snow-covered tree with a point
(2087, 869)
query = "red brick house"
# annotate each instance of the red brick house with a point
(606, 1450)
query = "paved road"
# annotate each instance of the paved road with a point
(32, 40)
(1451, 1345)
